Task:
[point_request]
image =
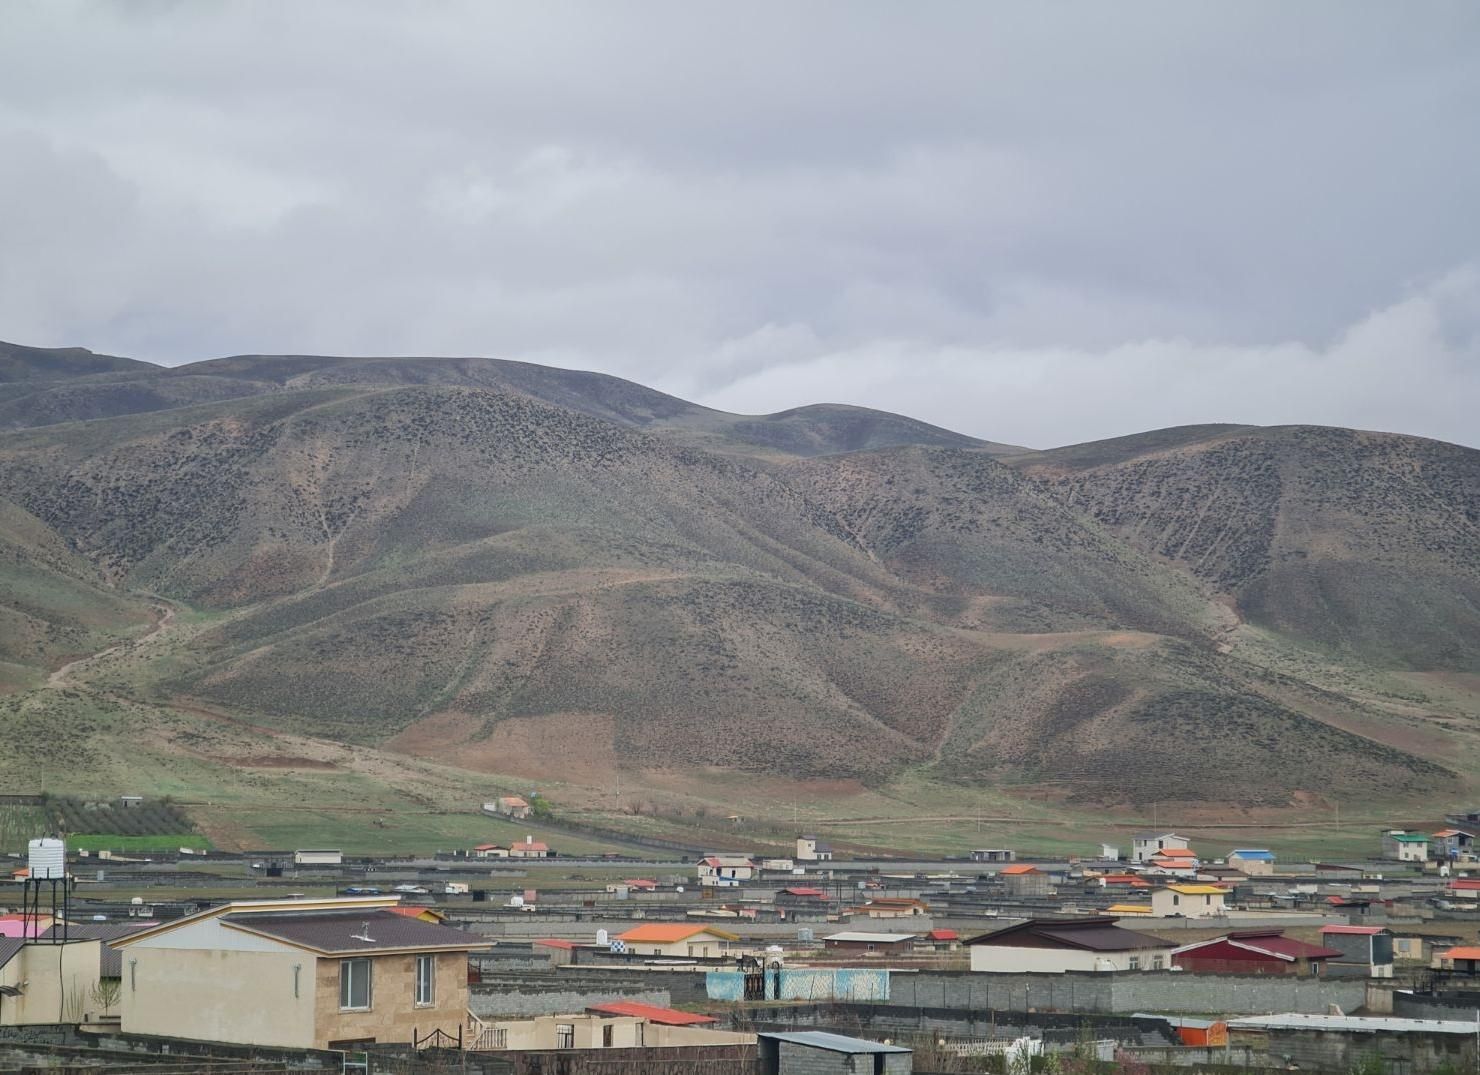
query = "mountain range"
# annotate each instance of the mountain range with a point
(546, 573)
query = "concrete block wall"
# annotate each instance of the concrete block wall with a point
(1411, 1053)
(801, 1060)
(1127, 992)
(488, 1004)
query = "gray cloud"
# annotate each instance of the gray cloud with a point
(1032, 224)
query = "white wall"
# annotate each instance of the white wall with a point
(56, 982)
(1006, 959)
(236, 996)
(212, 933)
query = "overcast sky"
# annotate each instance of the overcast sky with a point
(1033, 223)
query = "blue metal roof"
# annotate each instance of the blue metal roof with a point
(834, 1043)
(1253, 853)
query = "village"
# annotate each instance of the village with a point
(516, 958)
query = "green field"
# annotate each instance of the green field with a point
(133, 844)
(20, 824)
(401, 830)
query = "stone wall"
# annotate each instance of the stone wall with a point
(393, 1016)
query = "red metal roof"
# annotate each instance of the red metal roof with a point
(554, 942)
(1020, 868)
(815, 892)
(1268, 942)
(1125, 879)
(1465, 884)
(652, 1013)
(943, 935)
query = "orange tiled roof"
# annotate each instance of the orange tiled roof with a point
(1463, 952)
(670, 933)
(1020, 868)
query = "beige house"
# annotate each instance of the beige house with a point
(677, 940)
(296, 973)
(42, 982)
(530, 849)
(596, 1028)
(1188, 901)
(809, 849)
(1252, 861)
(516, 806)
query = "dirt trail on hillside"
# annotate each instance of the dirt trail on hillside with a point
(59, 678)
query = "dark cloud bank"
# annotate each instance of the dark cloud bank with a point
(1032, 223)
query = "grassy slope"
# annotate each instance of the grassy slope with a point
(57, 605)
(545, 595)
(1363, 545)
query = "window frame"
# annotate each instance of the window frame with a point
(347, 984)
(429, 961)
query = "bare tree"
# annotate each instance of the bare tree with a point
(106, 993)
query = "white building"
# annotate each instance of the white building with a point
(1074, 944)
(1147, 847)
(725, 870)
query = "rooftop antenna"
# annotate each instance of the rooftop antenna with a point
(364, 934)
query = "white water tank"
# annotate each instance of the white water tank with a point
(48, 859)
(603, 938)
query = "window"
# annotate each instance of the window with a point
(426, 980)
(354, 984)
(1158, 962)
(1135, 963)
(1176, 899)
(606, 1036)
(565, 1036)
